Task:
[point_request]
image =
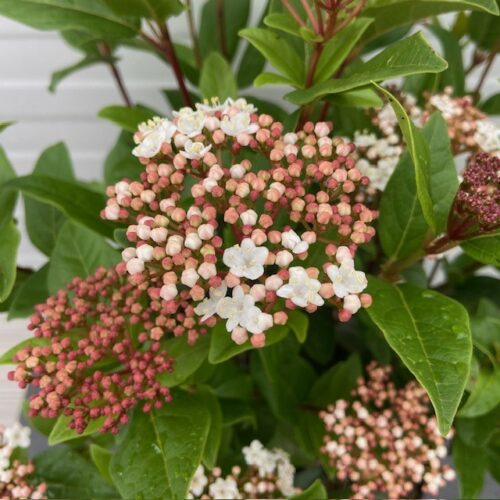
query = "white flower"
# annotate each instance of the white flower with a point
(256, 455)
(155, 132)
(286, 475)
(208, 307)
(291, 240)
(135, 266)
(487, 136)
(239, 123)
(247, 260)
(224, 489)
(198, 482)
(145, 252)
(301, 289)
(240, 310)
(346, 280)
(195, 150)
(189, 122)
(17, 436)
(211, 106)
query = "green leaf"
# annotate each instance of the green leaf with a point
(418, 149)
(212, 445)
(6, 357)
(316, 491)
(9, 243)
(357, 98)
(232, 17)
(283, 22)
(389, 14)
(452, 52)
(484, 396)
(32, 292)
(78, 252)
(402, 227)
(491, 105)
(61, 432)
(85, 15)
(484, 249)
(101, 458)
(7, 198)
(78, 202)
(299, 324)
(252, 63)
(431, 334)
(59, 75)
(70, 476)
(278, 52)
(267, 78)
(44, 221)
(175, 100)
(471, 463)
(484, 29)
(159, 451)
(222, 347)
(410, 56)
(187, 359)
(337, 382)
(6, 124)
(126, 117)
(339, 47)
(153, 9)
(216, 78)
(478, 431)
(120, 163)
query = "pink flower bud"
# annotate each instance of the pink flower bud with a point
(206, 231)
(168, 292)
(159, 234)
(145, 252)
(189, 277)
(232, 280)
(207, 270)
(239, 335)
(143, 232)
(174, 245)
(321, 129)
(259, 237)
(273, 282)
(352, 303)
(258, 340)
(128, 253)
(193, 241)
(237, 171)
(284, 258)
(344, 315)
(135, 266)
(280, 318)
(218, 137)
(326, 290)
(343, 253)
(366, 300)
(343, 149)
(148, 196)
(112, 212)
(249, 217)
(258, 292)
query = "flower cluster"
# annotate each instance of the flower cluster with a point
(260, 236)
(476, 208)
(97, 353)
(469, 129)
(385, 440)
(269, 474)
(14, 474)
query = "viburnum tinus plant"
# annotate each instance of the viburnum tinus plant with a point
(265, 298)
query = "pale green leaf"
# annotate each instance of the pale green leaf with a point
(485, 394)
(316, 491)
(217, 79)
(61, 432)
(299, 324)
(126, 117)
(267, 78)
(9, 243)
(484, 249)
(471, 463)
(101, 458)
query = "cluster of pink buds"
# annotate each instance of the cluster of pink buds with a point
(271, 225)
(15, 480)
(469, 129)
(98, 352)
(385, 441)
(476, 208)
(269, 474)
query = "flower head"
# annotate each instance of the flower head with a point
(246, 260)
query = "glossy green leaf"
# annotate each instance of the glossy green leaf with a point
(216, 78)
(484, 29)
(402, 227)
(431, 334)
(120, 163)
(267, 78)
(7, 198)
(299, 324)
(336, 383)
(126, 117)
(390, 14)
(78, 202)
(222, 347)
(418, 149)
(477, 431)
(6, 357)
(153, 9)
(78, 252)
(410, 56)
(86, 15)
(33, 291)
(339, 47)
(188, 358)
(159, 451)
(9, 243)
(491, 105)
(101, 458)
(357, 98)
(484, 396)
(278, 52)
(316, 491)
(283, 22)
(211, 451)
(470, 463)
(61, 432)
(44, 221)
(484, 249)
(70, 476)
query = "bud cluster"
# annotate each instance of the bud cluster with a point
(15, 481)
(268, 474)
(385, 440)
(271, 224)
(97, 353)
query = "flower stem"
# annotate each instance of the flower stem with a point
(193, 34)
(221, 25)
(105, 52)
